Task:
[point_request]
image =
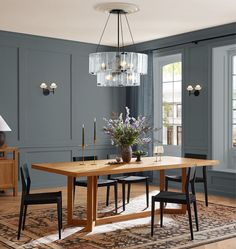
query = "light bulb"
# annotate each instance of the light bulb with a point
(53, 86)
(198, 87)
(131, 77)
(189, 87)
(108, 77)
(103, 66)
(43, 85)
(130, 66)
(123, 63)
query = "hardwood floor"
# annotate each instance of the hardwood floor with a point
(9, 203)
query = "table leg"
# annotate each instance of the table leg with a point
(70, 183)
(95, 201)
(162, 180)
(90, 203)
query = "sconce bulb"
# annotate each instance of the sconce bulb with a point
(103, 66)
(131, 77)
(130, 66)
(123, 63)
(108, 77)
(198, 87)
(43, 85)
(53, 86)
(189, 87)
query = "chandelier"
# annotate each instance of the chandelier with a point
(118, 68)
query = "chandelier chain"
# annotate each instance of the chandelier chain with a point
(122, 35)
(130, 32)
(103, 32)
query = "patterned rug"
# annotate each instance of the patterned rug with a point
(217, 222)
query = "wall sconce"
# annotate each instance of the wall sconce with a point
(194, 90)
(47, 90)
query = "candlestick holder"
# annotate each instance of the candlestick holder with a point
(83, 149)
(94, 152)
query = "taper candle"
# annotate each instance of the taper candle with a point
(94, 134)
(83, 135)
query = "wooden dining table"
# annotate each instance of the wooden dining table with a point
(92, 170)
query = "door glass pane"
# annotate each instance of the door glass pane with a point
(177, 91)
(172, 103)
(168, 92)
(167, 73)
(177, 71)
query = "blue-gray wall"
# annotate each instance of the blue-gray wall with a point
(48, 128)
(197, 111)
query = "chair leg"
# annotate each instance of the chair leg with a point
(74, 191)
(166, 184)
(128, 196)
(166, 187)
(108, 195)
(190, 219)
(161, 213)
(116, 197)
(147, 192)
(123, 195)
(20, 219)
(205, 185)
(152, 215)
(61, 213)
(196, 216)
(24, 217)
(59, 218)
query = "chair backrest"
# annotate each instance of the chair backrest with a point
(25, 179)
(86, 158)
(190, 178)
(197, 156)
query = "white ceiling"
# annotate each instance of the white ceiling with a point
(77, 20)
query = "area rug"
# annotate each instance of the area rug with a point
(217, 222)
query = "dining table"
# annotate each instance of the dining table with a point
(93, 169)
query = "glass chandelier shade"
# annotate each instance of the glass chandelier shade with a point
(118, 68)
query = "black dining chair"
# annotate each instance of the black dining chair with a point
(35, 199)
(199, 179)
(100, 183)
(129, 178)
(178, 198)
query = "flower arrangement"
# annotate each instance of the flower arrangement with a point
(128, 131)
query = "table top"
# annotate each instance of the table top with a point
(102, 167)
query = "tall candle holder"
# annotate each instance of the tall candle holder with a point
(83, 144)
(94, 140)
(94, 152)
(83, 149)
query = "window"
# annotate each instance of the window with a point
(171, 102)
(224, 106)
(168, 101)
